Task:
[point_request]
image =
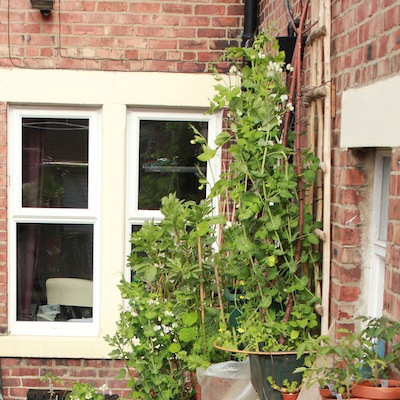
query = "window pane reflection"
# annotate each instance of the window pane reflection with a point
(168, 162)
(52, 251)
(55, 162)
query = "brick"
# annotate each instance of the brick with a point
(209, 10)
(225, 21)
(195, 21)
(347, 294)
(395, 283)
(142, 7)
(396, 233)
(163, 44)
(149, 31)
(353, 177)
(394, 208)
(177, 8)
(113, 6)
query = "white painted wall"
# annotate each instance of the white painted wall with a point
(371, 115)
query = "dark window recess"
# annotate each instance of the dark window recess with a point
(43, 394)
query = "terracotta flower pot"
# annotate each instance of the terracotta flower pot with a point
(325, 393)
(290, 396)
(367, 390)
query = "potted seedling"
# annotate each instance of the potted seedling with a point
(380, 350)
(334, 364)
(289, 390)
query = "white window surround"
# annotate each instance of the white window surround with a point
(134, 118)
(18, 214)
(376, 281)
(113, 93)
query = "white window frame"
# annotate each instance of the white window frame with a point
(18, 214)
(136, 216)
(378, 244)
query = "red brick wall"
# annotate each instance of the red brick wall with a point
(392, 279)
(172, 36)
(18, 375)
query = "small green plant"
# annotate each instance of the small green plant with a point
(287, 386)
(380, 347)
(84, 391)
(51, 378)
(334, 364)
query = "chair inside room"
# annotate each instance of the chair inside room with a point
(73, 293)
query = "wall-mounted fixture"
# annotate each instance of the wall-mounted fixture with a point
(45, 6)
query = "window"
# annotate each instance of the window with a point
(102, 221)
(161, 160)
(54, 164)
(379, 232)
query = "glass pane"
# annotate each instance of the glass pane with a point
(383, 221)
(54, 251)
(168, 162)
(55, 162)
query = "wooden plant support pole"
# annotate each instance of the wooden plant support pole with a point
(202, 295)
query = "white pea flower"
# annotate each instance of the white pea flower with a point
(284, 97)
(233, 70)
(278, 117)
(103, 388)
(135, 342)
(289, 68)
(261, 55)
(168, 313)
(290, 106)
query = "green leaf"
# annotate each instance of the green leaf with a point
(270, 261)
(309, 176)
(222, 138)
(150, 273)
(188, 334)
(174, 348)
(203, 228)
(121, 374)
(189, 318)
(207, 155)
(294, 334)
(313, 238)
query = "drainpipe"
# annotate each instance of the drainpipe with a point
(250, 22)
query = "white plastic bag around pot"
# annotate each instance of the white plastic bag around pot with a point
(226, 381)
